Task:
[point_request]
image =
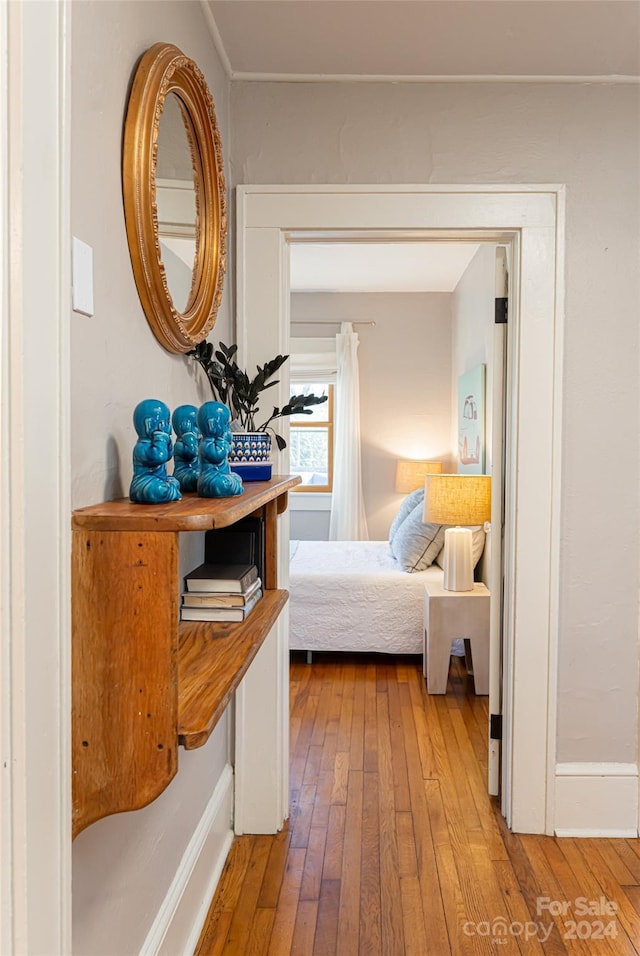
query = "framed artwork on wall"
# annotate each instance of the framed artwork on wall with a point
(471, 451)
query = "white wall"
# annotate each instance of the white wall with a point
(405, 376)
(586, 136)
(309, 524)
(124, 864)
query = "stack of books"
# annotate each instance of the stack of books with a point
(220, 592)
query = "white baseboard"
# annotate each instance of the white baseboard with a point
(179, 922)
(596, 800)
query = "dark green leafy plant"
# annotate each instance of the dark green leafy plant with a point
(233, 387)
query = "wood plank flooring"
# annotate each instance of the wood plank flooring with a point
(393, 846)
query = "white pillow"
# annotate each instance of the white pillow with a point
(477, 546)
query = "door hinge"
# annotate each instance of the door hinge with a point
(502, 310)
(495, 727)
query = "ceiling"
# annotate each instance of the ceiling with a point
(418, 40)
(379, 266)
(428, 39)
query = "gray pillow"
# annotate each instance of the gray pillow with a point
(405, 509)
(416, 544)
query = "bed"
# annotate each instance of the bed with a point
(354, 596)
(369, 595)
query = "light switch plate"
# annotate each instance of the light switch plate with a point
(82, 277)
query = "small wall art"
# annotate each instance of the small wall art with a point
(471, 395)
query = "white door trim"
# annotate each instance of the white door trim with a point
(35, 691)
(495, 540)
(532, 217)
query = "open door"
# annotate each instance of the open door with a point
(496, 564)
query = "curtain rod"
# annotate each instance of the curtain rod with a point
(330, 322)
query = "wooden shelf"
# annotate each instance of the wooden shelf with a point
(144, 682)
(191, 514)
(212, 660)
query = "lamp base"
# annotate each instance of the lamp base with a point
(458, 560)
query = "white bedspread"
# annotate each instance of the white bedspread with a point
(353, 596)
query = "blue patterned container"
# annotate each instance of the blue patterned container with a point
(250, 448)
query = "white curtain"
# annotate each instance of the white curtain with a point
(348, 520)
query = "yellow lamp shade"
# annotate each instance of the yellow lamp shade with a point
(457, 499)
(410, 473)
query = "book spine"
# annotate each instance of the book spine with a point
(222, 614)
(211, 599)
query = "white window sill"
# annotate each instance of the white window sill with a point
(310, 501)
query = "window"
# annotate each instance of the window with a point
(311, 439)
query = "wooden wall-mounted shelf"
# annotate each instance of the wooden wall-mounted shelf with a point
(210, 670)
(143, 682)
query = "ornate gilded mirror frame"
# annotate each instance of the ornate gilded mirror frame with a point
(163, 70)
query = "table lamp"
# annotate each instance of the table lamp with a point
(410, 473)
(457, 500)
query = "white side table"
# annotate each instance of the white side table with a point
(449, 615)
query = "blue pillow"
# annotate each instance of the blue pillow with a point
(404, 511)
(417, 544)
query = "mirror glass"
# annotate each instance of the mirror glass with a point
(176, 201)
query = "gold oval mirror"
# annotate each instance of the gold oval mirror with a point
(174, 197)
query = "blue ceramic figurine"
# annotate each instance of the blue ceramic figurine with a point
(216, 478)
(150, 484)
(186, 466)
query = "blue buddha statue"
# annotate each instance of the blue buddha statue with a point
(216, 479)
(186, 466)
(150, 484)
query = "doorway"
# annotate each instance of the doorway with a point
(425, 314)
(529, 220)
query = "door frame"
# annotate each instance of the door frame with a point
(531, 219)
(35, 637)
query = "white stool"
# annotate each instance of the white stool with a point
(449, 615)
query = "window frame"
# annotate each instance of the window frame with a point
(329, 425)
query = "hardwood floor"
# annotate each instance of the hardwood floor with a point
(393, 846)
